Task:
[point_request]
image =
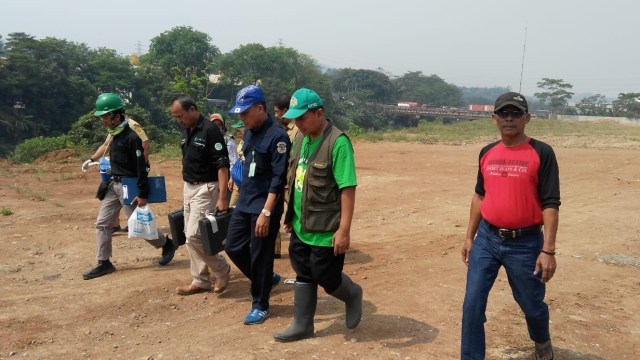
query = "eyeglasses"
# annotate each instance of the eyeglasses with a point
(515, 114)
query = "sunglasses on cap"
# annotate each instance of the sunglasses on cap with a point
(515, 114)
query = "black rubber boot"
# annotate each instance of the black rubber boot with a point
(305, 298)
(351, 294)
(104, 267)
(168, 250)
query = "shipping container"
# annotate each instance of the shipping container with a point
(476, 107)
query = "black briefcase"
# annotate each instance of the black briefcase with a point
(176, 226)
(213, 231)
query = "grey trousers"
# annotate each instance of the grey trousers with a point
(109, 210)
(197, 200)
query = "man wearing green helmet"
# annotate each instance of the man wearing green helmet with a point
(102, 151)
(127, 160)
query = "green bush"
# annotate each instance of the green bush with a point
(33, 148)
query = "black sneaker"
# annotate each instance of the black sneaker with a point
(168, 250)
(125, 229)
(104, 267)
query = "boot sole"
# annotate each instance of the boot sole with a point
(89, 277)
(292, 339)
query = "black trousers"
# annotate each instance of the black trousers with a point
(253, 255)
(316, 264)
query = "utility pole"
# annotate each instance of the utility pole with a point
(139, 47)
(522, 66)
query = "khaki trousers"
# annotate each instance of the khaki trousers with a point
(198, 199)
(109, 210)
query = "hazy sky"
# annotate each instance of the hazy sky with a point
(590, 44)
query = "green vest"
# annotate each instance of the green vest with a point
(320, 193)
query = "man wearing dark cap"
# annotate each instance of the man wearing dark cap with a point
(517, 194)
(256, 218)
(322, 191)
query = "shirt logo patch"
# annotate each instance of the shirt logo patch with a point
(282, 147)
(218, 146)
(138, 153)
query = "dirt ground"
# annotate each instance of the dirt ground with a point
(411, 215)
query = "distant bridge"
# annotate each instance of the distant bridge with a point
(445, 112)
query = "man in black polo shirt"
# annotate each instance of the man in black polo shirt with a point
(205, 171)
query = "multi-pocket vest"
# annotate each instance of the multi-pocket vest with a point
(320, 208)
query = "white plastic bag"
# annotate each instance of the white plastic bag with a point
(142, 224)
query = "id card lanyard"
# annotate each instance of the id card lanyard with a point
(252, 166)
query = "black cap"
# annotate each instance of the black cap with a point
(512, 98)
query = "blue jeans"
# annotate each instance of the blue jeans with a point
(518, 256)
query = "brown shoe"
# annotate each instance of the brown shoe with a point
(222, 282)
(190, 290)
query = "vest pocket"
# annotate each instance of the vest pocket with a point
(325, 218)
(322, 187)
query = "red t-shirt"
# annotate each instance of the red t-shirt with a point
(517, 183)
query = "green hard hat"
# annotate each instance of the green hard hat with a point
(108, 102)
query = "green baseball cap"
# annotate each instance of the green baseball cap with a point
(301, 101)
(237, 125)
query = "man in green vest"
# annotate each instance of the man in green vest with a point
(322, 189)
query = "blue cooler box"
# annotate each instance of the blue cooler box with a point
(157, 189)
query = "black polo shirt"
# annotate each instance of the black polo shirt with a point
(127, 159)
(203, 152)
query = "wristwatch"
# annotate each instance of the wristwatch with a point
(266, 212)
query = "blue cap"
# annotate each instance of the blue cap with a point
(246, 97)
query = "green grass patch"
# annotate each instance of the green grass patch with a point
(483, 130)
(5, 211)
(21, 190)
(170, 151)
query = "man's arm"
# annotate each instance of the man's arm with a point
(546, 260)
(96, 156)
(223, 178)
(472, 227)
(342, 236)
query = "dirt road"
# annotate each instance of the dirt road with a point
(411, 214)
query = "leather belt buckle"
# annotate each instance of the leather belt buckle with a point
(508, 233)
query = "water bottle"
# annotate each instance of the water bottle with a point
(105, 168)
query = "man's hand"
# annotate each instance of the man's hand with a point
(85, 165)
(139, 201)
(230, 184)
(546, 263)
(341, 241)
(262, 226)
(222, 205)
(466, 251)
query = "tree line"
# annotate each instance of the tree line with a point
(48, 87)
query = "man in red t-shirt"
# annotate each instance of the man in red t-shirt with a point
(517, 193)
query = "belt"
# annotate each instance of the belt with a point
(198, 182)
(515, 233)
(116, 179)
